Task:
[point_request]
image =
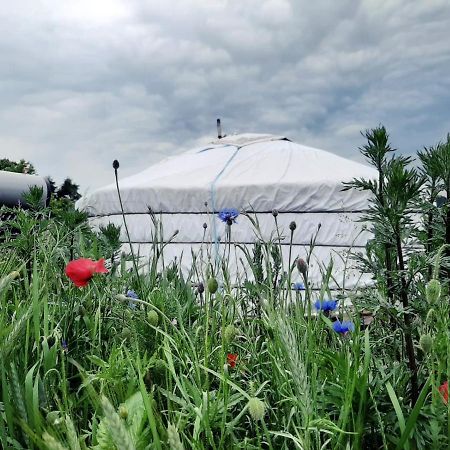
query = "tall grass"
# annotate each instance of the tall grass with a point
(85, 368)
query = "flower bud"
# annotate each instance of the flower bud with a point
(123, 411)
(426, 343)
(153, 317)
(212, 285)
(115, 164)
(256, 408)
(200, 288)
(433, 291)
(205, 225)
(275, 212)
(292, 226)
(230, 333)
(302, 267)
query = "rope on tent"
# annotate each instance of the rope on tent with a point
(213, 201)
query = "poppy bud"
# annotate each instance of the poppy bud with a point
(230, 333)
(153, 317)
(302, 266)
(200, 288)
(292, 226)
(433, 291)
(426, 343)
(212, 285)
(256, 408)
(123, 411)
(275, 212)
(115, 164)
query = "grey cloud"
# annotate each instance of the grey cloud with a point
(140, 80)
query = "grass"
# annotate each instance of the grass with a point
(81, 368)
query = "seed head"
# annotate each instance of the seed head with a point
(173, 438)
(205, 225)
(275, 212)
(116, 164)
(433, 291)
(292, 226)
(256, 408)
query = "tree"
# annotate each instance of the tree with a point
(68, 190)
(51, 184)
(18, 167)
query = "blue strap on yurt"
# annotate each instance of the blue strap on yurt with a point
(213, 201)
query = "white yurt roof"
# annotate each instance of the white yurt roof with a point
(253, 172)
(245, 171)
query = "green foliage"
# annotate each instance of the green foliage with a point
(87, 368)
(21, 166)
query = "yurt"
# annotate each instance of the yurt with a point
(259, 175)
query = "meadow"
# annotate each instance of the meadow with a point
(155, 359)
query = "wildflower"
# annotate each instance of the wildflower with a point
(228, 215)
(343, 327)
(212, 285)
(80, 271)
(443, 389)
(231, 359)
(426, 343)
(326, 305)
(433, 291)
(131, 294)
(298, 286)
(256, 408)
(302, 267)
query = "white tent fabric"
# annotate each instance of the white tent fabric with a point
(250, 172)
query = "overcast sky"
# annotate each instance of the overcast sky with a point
(83, 82)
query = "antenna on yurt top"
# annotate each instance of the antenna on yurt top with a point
(219, 129)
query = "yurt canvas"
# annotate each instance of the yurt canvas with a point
(253, 173)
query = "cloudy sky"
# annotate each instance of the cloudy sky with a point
(83, 82)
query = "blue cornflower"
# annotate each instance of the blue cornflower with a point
(343, 327)
(326, 305)
(64, 346)
(298, 286)
(228, 215)
(131, 294)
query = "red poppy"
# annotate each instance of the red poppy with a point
(80, 271)
(443, 389)
(231, 359)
